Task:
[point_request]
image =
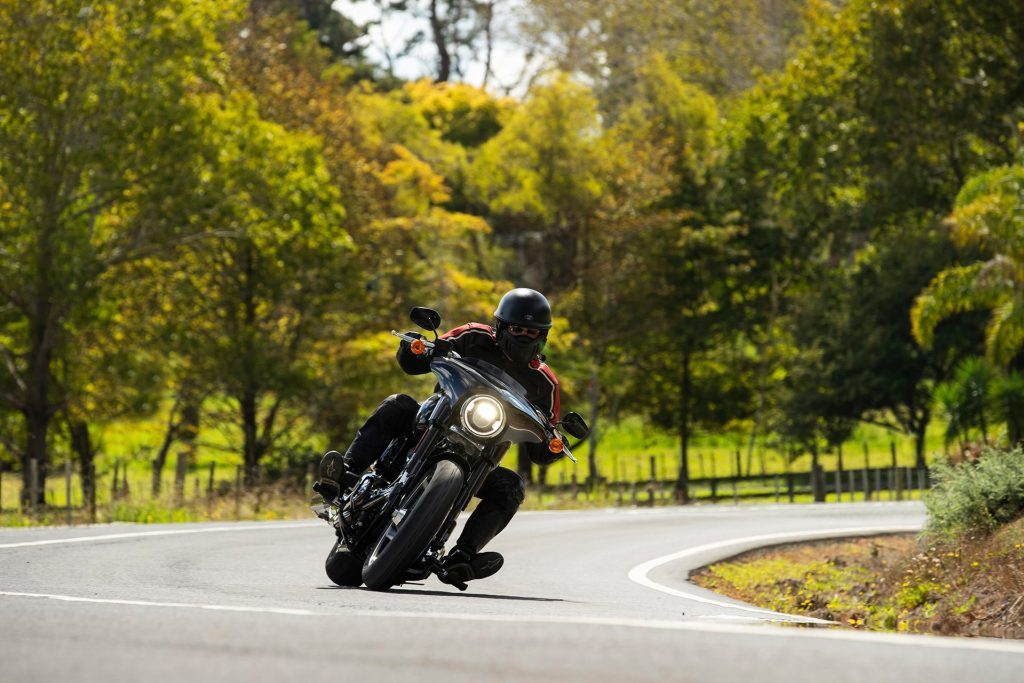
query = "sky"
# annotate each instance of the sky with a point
(390, 34)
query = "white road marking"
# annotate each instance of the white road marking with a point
(902, 640)
(163, 532)
(733, 546)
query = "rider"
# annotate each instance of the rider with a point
(514, 343)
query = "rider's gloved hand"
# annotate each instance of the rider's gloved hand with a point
(410, 362)
(403, 345)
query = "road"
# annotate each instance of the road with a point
(584, 596)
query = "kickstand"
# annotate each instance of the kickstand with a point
(444, 576)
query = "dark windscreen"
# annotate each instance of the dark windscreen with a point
(497, 374)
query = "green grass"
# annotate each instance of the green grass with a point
(624, 454)
(625, 450)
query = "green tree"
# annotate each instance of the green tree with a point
(263, 285)
(541, 180)
(97, 132)
(989, 212)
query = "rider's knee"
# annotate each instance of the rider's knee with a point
(509, 488)
(398, 412)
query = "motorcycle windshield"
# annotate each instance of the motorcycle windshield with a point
(459, 376)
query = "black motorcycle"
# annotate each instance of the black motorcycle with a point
(397, 516)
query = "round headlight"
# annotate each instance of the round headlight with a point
(483, 416)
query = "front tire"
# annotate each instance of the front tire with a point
(419, 519)
(344, 568)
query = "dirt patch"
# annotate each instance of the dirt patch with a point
(973, 587)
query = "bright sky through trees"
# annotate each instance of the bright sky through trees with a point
(389, 33)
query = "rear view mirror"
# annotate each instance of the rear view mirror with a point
(426, 318)
(574, 425)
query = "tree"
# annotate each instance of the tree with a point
(541, 180)
(262, 286)
(989, 212)
(718, 46)
(97, 132)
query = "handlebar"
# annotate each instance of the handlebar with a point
(429, 346)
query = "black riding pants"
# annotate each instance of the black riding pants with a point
(500, 495)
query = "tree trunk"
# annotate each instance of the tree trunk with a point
(682, 484)
(920, 428)
(444, 59)
(37, 409)
(594, 394)
(38, 424)
(251, 446)
(817, 477)
(81, 444)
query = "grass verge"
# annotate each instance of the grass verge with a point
(973, 586)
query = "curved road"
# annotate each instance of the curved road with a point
(584, 596)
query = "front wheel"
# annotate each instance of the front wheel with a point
(412, 526)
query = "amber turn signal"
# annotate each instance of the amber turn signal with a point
(418, 347)
(556, 445)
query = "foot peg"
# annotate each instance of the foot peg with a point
(445, 576)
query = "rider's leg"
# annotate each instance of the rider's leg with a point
(500, 496)
(393, 418)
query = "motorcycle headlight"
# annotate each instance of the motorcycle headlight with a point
(483, 416)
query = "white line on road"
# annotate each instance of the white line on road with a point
(163, 532)
(727, 548)
(901, 640)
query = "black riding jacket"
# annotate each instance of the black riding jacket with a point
(476, 340)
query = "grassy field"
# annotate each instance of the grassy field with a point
(624, 455)
(625, 450)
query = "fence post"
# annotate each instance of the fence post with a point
(898, 474)
(878, 484)
(634, 494)
(839, 486)
(893, 481)
(735, 492)
(714, 489)
(67, 490)
(114, 481)
(574, 485)
(776, 480)
(789, 487)
(92, 492)
(238, 492)
(650, 483)
(180, 470)
(853, 485)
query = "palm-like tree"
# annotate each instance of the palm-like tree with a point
(989, 213)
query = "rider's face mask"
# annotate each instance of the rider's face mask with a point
(523, 347)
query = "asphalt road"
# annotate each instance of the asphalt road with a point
(584, 596)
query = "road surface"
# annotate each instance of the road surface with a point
(584, 596)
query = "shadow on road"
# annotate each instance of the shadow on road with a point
(453, 594)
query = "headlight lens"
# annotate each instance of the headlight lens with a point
(483, 416)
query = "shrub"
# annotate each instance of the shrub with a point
(976, 497)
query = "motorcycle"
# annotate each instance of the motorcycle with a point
(397, 516)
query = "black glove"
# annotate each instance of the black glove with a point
(409, 361)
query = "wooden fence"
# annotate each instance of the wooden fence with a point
(876, 483)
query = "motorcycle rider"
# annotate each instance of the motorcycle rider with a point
(522, 320)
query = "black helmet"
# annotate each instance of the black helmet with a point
(526, 307)
(522, 308)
